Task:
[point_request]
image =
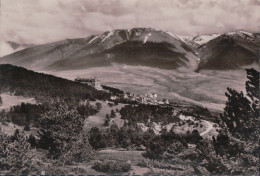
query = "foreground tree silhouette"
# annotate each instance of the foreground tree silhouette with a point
(241, 113)
(252, 84)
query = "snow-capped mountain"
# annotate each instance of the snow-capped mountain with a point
(230, 51)
(142, 46)
(137, 46)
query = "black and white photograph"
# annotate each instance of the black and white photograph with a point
(129, 87)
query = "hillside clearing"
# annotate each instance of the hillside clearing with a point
(11, 100)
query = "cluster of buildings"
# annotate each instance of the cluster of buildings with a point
(144, 99)
(151, 98)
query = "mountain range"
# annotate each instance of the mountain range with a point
(142, 46)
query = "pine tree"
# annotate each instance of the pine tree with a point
(32, 141)
(16, 156)
(59, 131)
(99, 106)
(27, 127)
(107, 120)
(96, 138)
(241, 116)
(113, 114)
(80, 151)
(252, 84)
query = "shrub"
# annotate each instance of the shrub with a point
(1, 101)
(16, 156)
(27, 127)
(106, 123)
(155, 148)
(112, 166)
(32, 141)
(80, 151)
(86, 110)
(99, 106)
(26, 113)
(60, 131)
(112, 114)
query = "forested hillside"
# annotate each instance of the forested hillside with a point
(21, 81)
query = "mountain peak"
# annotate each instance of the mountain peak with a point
(136, 46)
(240, 32)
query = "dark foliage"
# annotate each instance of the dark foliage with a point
(97, 139)
(111, 166)
(107, 120)
(32, 140)
(16, 156)
(27, 127)
(241, 116)
(223, 146)
(113, 90)
(143, 113)
(26, 114)
(86, 110)
(30, 114)
(252, 84)
(1, 101)
(170, 142)
(44, 87)
(99, 106)
(59, 131)
(112, 114)
(114, 137)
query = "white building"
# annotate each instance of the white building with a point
(91, 82)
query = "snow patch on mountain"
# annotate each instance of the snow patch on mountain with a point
(146, 37)
(170, 34)
(202, 39)
(138, 33)
(92, 40)
(240, 33)
(175, 36)
(107, 36)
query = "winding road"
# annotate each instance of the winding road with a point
(209, 125)
(209, 128)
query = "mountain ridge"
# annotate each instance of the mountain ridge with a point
(44, 56)
(136, 46)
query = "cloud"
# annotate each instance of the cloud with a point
(5, 49)
(42, 21)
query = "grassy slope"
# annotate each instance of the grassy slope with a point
(9, 101)
(206, 88)
(98, 119)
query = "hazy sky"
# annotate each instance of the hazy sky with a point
(42, 21)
